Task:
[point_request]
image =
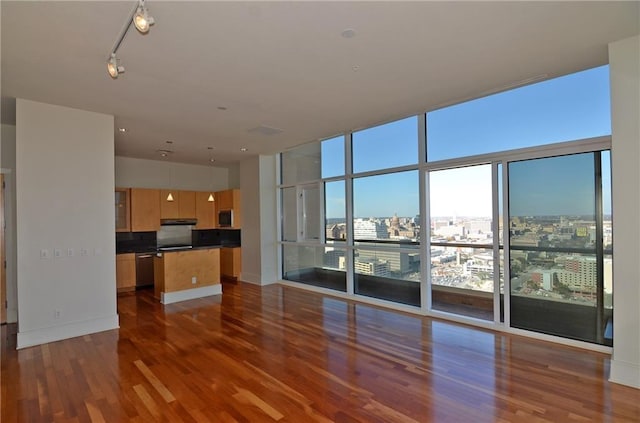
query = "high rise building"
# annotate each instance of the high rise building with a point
(369, 229)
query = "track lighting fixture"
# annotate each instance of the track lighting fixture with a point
(141, 18)
(142, 21)
(113, 68)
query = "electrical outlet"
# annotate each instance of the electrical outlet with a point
(57, 253)
(70, 252)
(84, 252)
(56, 314)
(194, 280)
(45, 254)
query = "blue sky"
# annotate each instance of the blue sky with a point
(572, 107)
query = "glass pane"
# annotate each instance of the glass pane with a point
(301, 164)
(606, 201)
(384, 208)
(122, 212)
(554, 293)
(289, 214)
(335, 214)
(552, 202)
(333, 157)
(318, 266)
(568, 108)
(554, 267)
(462, 281)
(310, 212)
(391, 145)
(388, 275)
(460, 202)
(500, 207)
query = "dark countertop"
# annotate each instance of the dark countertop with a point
(153, 250)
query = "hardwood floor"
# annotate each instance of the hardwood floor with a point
(283, 354)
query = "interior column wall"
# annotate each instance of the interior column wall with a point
(624, 61)
(8, 160)
(259, 247)
(65, 223)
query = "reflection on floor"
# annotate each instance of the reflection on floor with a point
(468, 303)
(564, 319)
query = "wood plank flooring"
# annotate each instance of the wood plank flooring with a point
(279, 354)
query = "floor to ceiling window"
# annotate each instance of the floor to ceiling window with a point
(461, 210)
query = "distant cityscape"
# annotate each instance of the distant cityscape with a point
(558, 273)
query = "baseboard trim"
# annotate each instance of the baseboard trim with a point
(625, 373)
(66, 331)
(190, 294)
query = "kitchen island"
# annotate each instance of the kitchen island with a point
(187, 274)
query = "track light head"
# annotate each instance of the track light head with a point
(113, 68)
(141, 19)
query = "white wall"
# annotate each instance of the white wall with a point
(64, 186)
(624, 61)
(259, 243)
(8, 164)
(139, 173)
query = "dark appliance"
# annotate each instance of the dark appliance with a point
(225, 218)
(144, 269)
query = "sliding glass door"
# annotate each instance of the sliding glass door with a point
(559, 228)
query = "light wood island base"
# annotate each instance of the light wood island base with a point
(186, 275)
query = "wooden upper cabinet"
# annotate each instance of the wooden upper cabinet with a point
(123, 209)
(187, 204)
(205, 210)
(237, 208)
(224, 200)
(169, 209)
(145, 209)
(183, 205)
(230, 200)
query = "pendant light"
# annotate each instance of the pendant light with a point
(170, 196)
(211, 160)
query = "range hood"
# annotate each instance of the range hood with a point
(176, 222)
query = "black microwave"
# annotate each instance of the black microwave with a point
(225, 218)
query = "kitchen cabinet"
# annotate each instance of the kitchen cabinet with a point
(183, 205)
(187, 204)
(231, 262)
(169, 209)
(123, 209)
(145, 209)
(182, 275)
(230, 200)
(205, 210)
(125, 272)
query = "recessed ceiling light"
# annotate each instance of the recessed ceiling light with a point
(243, 149)
(349, 33)
(356, 68)
(122, 129)
(164, 153)
(212, 160)
(222, 108)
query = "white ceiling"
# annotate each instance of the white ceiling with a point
(285, 64)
